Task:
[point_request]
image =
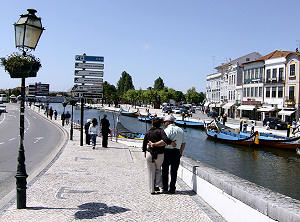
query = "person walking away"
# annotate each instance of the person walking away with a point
(105, 130)
(86, 131)
(172, 154)
(68, 116)
(55, 114)
(153, 147)
(51, 112)
(94, 131)
(288, 130)
(63, 117)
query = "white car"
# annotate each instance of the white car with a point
(176, 111)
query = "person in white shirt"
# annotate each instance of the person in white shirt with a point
(172, 154)
(94, 131)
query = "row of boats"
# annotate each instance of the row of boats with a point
(221, 133)
(146, 117)
(218, 132)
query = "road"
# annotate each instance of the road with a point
(41, 138)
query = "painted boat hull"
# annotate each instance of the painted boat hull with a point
(190, 124)
(229, 138)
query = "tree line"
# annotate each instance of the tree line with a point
(159, 93)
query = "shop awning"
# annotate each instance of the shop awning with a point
(286, 112)
(266, 109)
(246, 107)
(228, 105)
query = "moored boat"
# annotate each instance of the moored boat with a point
(230, 137)
(190, 124)
(128, 113)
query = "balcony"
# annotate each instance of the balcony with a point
(289, 102)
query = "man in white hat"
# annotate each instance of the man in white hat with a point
(172, 153)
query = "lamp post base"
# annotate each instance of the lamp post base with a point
(21, 192)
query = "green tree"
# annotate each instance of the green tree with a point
(159, 84)
(192, 96)
(110, 94)
(124, 83)
(179, 96)
(202, 96)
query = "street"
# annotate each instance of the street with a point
(41, 138)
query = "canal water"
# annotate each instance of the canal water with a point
(278, 170)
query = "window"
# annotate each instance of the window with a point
(252, 73)
(260, 92)
(256, 73)
(291, 93)
(245, 76)
(244, 92)
(268, 74)
(252, 91)
(280, 76)
(274, 74)
(261, 72)
(292, 70)
(248, 92)
(280, 91)
(256, 92)
(274, 92)
(268, 92)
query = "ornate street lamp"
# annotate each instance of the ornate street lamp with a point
(28, 30)
(72, 102)
(64, 104)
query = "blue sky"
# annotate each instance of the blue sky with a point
(180, 41)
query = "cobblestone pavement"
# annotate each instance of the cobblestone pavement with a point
(105, 184)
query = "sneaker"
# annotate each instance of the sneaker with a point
(156, 189)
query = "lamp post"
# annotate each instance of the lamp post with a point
(72, 103)
(28, 30)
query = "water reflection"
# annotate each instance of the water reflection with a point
(277, 170)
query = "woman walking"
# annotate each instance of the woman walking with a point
(94, 131)
(154, 154)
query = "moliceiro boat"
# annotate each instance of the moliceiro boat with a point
(128, 113)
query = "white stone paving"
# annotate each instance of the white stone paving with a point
(101, 185)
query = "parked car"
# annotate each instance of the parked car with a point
(275, 123)
(167, 109)
(176, 110)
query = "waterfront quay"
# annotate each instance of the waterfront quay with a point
(110, 184)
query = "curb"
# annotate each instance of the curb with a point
(10, 198)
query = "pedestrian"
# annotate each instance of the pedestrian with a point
(86, 130)
(288, 130)
(55, 114)
(68, 116)
(245, 125)
(172, 154)
(182, 115)
(252, 127)
(224, 119)
(51, 112)
(153, 148)
(63, 117)
(94, 131)
(105, 130)
(241, 125)
(294, 126)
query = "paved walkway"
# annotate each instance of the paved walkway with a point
(105, 184)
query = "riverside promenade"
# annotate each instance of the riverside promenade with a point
(105, 184)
